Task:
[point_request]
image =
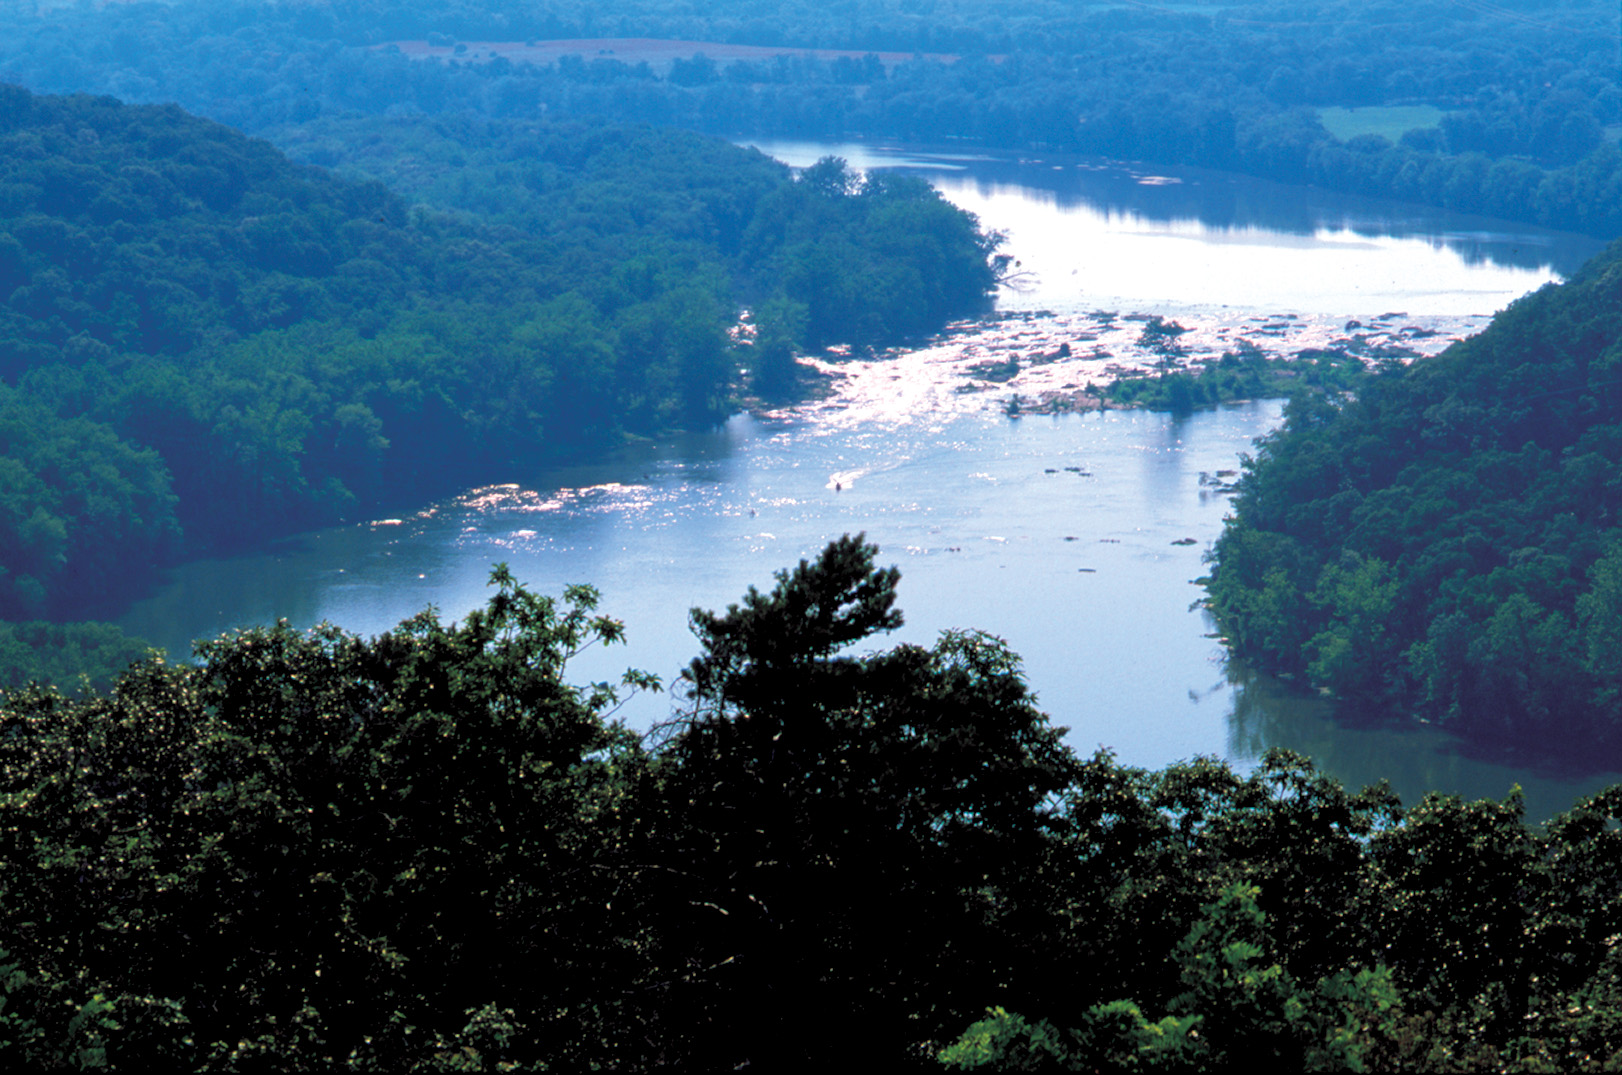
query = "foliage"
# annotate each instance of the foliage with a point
(1508, 109)
(429, 850)
(65, 654)
(851, 825)
(319, 847)
(205, 341)
(1442, 540)
(1248, 374)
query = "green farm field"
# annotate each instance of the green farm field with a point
(1392, 121)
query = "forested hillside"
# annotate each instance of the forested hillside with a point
(1445, 541)
(429, 851)
(1511, 109)
(202, 342)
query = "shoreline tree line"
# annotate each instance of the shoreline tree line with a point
(203, 343)
(1441, 540)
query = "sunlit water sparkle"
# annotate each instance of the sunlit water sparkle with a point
(1076, 537)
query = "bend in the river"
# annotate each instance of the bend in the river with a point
(1076, 537)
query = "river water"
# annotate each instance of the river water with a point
(1076, 537)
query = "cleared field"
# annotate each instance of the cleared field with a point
(1390, 120)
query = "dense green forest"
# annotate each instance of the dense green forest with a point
(1444, 540)
(1510, 109)
(203, 343)
(429, 851)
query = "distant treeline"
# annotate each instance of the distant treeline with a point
(427, 851)
(1528, 91)
(202, 342)
(1445, 539)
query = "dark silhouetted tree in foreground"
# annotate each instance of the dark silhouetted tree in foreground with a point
(427, 850)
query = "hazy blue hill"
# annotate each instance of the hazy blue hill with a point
(1507, 109)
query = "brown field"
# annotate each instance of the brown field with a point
(633, 50)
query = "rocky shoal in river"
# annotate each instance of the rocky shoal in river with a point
(1056, 363)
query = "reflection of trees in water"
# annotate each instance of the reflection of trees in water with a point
(1358, 750)
(1230, 201)
(1265, 716)
(1269, 713)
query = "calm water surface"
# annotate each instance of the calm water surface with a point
(1074, 537)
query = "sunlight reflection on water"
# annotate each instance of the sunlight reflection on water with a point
(1075, 537)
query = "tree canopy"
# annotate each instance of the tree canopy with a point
(202, 341)
(429, 850)
(1509, 109)
(1443, 540)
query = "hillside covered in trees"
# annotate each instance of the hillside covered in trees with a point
(429, 851)
(202, 342)
(1443, 541)
(1509, 109)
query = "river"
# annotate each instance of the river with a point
(1075, 537)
